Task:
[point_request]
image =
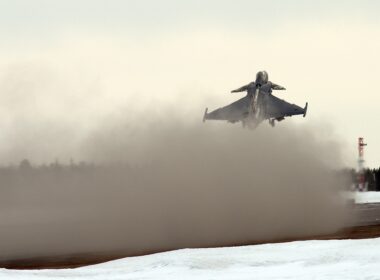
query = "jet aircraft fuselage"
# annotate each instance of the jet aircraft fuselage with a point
(258, 105)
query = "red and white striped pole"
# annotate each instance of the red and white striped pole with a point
(362, 184)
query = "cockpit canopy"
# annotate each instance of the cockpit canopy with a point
(261, 78)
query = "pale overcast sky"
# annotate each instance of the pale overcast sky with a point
(93, 58)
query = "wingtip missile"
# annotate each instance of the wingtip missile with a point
(205, 115)
(305, 110)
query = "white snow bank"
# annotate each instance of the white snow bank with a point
(333, 259)
(367, 197)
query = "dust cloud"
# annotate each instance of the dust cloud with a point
(165, 184)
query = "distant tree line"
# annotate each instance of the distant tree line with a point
(9, 174)
(372, 177)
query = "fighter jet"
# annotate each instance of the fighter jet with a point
(258, 105)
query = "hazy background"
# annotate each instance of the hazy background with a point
(67, 68)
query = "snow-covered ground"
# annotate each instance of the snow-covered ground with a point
(332, 259)
(367, 197)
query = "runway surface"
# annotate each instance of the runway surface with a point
(367, 214)
(366, 224)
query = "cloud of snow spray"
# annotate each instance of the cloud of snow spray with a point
(166, 184)
(164, 181)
